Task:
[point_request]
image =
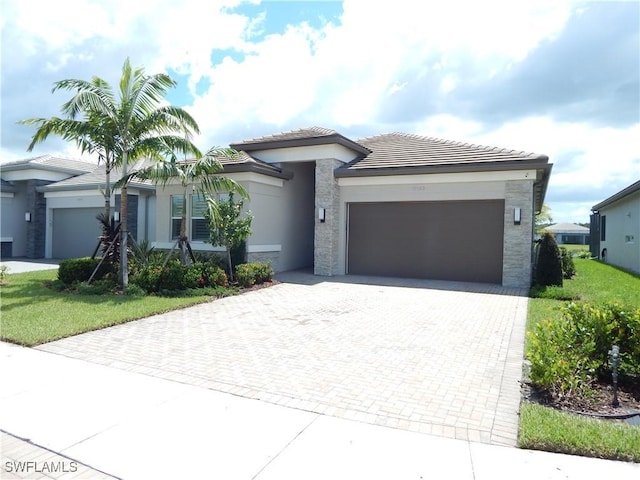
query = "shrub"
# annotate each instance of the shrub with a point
(99, 287)
(249, 274)
(568, 354)
(3, 273)
(568, 267)
(585, 254)
(134, 290)
(210, 274)
(549, 262)
(175, 276)
(80, 269)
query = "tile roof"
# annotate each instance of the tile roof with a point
(50, 162)
(634, 187)
(401, 151)
(93, 180)
(567, 228)
(301, 137)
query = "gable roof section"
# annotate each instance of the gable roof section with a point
(51, 163)
(300, 138)
(634, 187)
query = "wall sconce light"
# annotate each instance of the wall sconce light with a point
(116, 216)
(321, 214)
(27, 217)
(517, 215)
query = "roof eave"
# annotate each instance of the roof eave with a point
(347, 171)
(634, 187)
(91, 186)
(256, 168)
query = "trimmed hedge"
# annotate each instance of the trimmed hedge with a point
(80, 269)
(175, 276)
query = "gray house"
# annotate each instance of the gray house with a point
(22, 203)
(615, 229)
(569, 233)
(390, 205)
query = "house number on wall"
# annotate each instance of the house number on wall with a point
(419, 188)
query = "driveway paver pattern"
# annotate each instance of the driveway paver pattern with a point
(443, 358)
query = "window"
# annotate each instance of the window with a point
(603, 228)
(629, 239)
(177, 210)
(199, 226)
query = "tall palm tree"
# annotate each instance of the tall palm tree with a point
(202, 174)
(131, 125)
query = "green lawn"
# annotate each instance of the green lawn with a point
(543, 428)
(548, 429)
(31, 314)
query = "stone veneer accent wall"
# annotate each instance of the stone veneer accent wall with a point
(267, 257)
(518, 239)
(36, 228)
(326, 234)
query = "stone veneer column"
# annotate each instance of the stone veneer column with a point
(36, 228)
(325, 251)
(518, 239)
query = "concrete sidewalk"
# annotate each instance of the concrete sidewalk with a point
(105, 422)
(21, 265)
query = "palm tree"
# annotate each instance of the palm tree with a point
(90, 136)
(202, 175)
(131, 125)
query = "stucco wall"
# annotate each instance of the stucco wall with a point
(623, 222)
(282, 227)
(13, 223)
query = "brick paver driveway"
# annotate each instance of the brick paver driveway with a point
(435, 357)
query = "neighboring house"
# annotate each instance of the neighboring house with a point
(390, 205)
(22, 204)
(615, 229)
(569, 233)
(49, 207)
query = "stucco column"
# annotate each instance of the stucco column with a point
(518, 239)
(325, 251)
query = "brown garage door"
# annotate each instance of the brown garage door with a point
(457, 240)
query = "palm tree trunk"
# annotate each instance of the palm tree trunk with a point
(229, 263)
(124, 236)
(107, 194)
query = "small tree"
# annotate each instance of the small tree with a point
(549, 262)
(226, 227)
(542, 219)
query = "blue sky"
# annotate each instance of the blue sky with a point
(545, 76)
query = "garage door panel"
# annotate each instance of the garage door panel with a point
(440, 240)
(75, 232)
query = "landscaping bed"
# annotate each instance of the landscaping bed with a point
(568, 388)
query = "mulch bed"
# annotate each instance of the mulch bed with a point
(597, 404)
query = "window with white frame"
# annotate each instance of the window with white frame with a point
(177, 210)
(199, 226)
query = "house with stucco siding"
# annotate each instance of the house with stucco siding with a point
(615, 229)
